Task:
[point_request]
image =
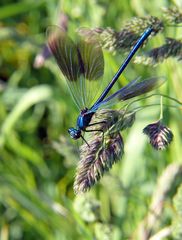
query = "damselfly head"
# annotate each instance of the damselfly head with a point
(74, 133)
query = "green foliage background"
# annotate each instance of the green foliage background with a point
(37, 158)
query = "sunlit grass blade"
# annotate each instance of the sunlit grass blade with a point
(31, 97)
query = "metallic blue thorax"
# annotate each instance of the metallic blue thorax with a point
(84, 119)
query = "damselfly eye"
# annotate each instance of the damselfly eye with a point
(74, 133)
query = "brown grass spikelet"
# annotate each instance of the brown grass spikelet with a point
(104, 149)
(160, 136)
(172, 48)
(138, 25)
(125, 39)
(113, 120)
(172, 14)
(109, 38)
(96, 160)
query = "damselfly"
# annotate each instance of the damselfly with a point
(82, 63)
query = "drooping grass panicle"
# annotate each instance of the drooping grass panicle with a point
(160, 136)
(172, 14)
(125, 122)
(96, 160)
(112, 121)
(108, 37)
(129, 34)
(126, 38)
(105, 148)
(112, 40)
(172, 48)
(138, 24)
(104, 119)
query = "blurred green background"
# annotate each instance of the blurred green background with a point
(38, 159)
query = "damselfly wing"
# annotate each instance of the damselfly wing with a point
(81, 62)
